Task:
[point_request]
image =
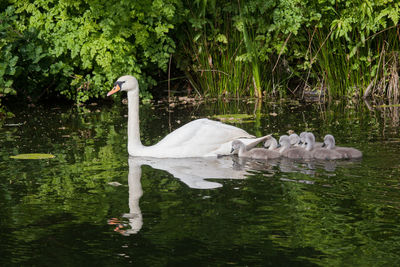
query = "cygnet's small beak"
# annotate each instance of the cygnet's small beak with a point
(232, 150)
(278, 146)
(323, 144)
(114, 90)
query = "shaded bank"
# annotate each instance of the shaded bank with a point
(232, 48)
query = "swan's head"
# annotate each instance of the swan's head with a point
(124, 83)
(329, 141)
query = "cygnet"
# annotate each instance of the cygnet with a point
(303, 140)
(326, 154)
(294, 152)
(271, 143)
(244, 151)
(346, 152)
(294, 139)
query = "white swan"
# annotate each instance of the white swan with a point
(198, 138)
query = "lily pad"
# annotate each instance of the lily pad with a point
(33, 156)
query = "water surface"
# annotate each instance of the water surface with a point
(92, 204)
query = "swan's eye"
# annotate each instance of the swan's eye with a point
(119, 83)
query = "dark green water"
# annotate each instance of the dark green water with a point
(65, 212)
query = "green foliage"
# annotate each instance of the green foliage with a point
(349, 43)
(337, 46)
(8, 60)
(79, 48)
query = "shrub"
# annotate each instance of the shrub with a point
(78, 48)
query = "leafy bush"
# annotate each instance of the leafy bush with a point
(78, 48)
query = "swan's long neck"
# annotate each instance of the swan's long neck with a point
(135, 193)
(133, 121)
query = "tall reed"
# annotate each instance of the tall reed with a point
(215, 47)
(368, 68)
(250, 48)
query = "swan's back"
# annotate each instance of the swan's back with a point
(199, 138)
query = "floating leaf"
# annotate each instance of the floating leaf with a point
(235, 117)
(33, 156)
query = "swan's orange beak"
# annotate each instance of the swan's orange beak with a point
(114, 90)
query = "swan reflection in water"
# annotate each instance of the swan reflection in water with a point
(191, 171)
(195, 172)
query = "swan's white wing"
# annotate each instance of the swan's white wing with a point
(200, 137)
(204, 131)
(194, 172)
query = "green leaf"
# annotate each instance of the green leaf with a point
(33, 156)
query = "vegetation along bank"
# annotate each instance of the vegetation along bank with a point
(260, 48)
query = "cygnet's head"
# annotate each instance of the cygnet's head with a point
(302, 134)
(329, 141)
(309, 141)
(271, 143)
(236, 145)
(124, 83)
(284, 141)
(294, 139)
(302, 138)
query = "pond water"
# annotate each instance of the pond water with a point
(93, 205)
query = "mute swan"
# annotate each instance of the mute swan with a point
(248, 151)
(198, 138)
(295, 152)
(346, 152)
